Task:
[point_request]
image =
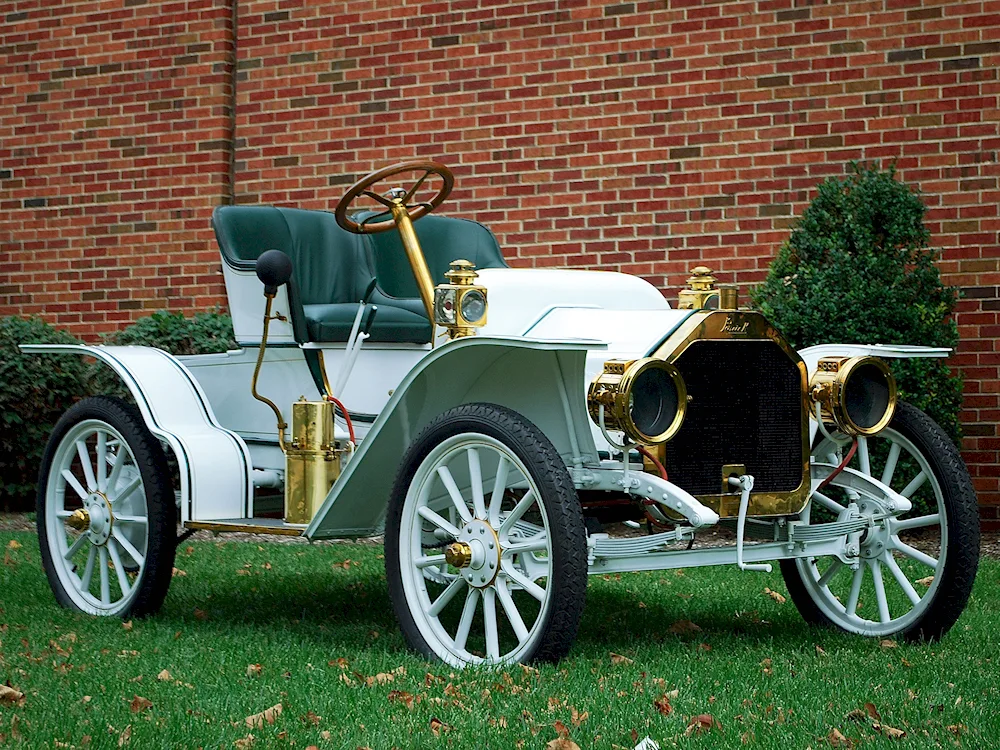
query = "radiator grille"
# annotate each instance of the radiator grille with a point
(745, 408)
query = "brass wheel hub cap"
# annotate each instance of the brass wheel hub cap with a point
(476, 553)
(95, 518)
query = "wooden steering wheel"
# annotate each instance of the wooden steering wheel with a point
(396, 196)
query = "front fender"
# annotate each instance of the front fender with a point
(541, 380)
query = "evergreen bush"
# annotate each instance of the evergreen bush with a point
(204, 333)
(857, 268)
(35, 389)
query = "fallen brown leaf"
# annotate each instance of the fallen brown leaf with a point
(856, 715)
(267, 716)
(837, 739)
(684, 627)
(893, 733)
(576, 718)
(561, 729)
(125, 737)
(244, 743)
(926, 581)
(200, 614)
(662, 705)
(13, 544)
(177, 573)
(403, 697)
(956, 729)
(438, 726)
(775, 595)
(127, 625)
(619, 659)
(11, 697)
(701, 723)
(887, 643)
(872, 711)
(254, 670)
(164, 676)
(561, 743)
(139, 704)
(820, 651)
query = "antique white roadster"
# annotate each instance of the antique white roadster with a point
(491, 422)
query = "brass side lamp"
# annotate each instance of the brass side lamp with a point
(460, 306)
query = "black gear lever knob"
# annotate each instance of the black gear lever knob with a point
(274, 268)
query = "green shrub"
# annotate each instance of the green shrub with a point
(205, 333)
(34, 392)
(857, 269)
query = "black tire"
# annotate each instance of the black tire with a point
(962, 523)
(564, 519)
(150, 588)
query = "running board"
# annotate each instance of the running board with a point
(267, 526)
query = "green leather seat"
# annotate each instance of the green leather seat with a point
(443, 239)
(332, 268)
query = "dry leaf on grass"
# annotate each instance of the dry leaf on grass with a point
(267, 716)
(662, 705)
(701, 723)
(341, 662)
(10, 696)
(200, 614)
(310, 718)
(177, 573)
(385, 677)
(576, 718)
(125, 737)
(775, 595)
(872, 711)
(619, 659)
(254, 670)
(164, 676)
(561, 743)
(127, 625)
(138, 704)
(886, 643)
(684, 627)
(438, 726)
(407, 699)
(925, 581)
(837, 739)
(244, 743)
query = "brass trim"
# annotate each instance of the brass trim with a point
(79, 519)
(701, 289)
(312, 461)
(731, 470)
(746, 325)
(282, 425)
(461, 278)
(458, 554)
(222, 527)
(612, 389)
(415, 255)
(828, 388)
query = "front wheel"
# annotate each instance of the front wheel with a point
(485, 546)
(913, 573)
(106, 512)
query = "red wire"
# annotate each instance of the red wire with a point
(660, 467)
(843, 465)
(663, 474)
(347, 418)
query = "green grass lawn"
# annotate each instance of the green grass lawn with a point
(317, 621)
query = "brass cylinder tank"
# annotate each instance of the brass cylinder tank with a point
(312, 460)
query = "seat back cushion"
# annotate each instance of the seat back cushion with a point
(443, 239)
(329, 264)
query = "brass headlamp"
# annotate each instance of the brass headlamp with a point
(857, 394)
(460, 305)
(644, 398)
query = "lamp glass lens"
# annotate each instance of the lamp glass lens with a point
(473, 306)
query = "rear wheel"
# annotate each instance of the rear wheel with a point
(914, 571)
(106, 512)
(485, 542)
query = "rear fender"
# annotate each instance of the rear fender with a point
(541, 380)
(214, 462)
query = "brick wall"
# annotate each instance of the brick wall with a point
(115, 142)
(641, 136)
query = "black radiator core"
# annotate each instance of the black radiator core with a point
(745, 408)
